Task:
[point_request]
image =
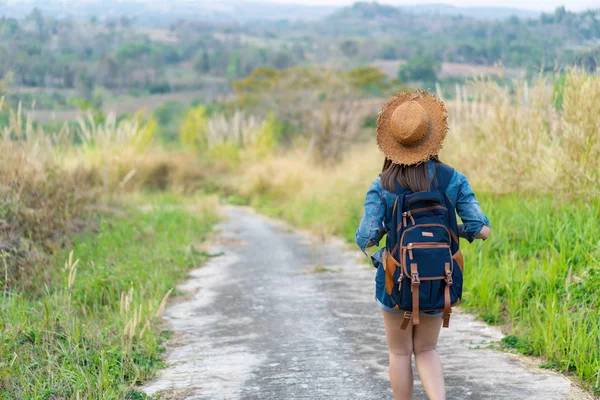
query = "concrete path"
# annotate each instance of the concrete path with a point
(261, 322)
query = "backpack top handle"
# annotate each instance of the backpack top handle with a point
(430, 197)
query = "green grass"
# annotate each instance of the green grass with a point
(98, 336)
(538, 276)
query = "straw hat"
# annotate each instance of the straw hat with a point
(411, 127)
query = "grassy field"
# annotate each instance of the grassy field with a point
(531, 152)
(71, 327)
(92, 330)
(537, 277)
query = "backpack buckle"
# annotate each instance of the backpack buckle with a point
(449, 279)
(415, 280)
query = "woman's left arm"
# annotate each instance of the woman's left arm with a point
(475, 224)
(371, 229)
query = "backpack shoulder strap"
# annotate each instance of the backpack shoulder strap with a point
(442, 177)
(441, 181)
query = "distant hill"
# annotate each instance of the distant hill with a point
(163, 13)
(482, 13)
(374, 10)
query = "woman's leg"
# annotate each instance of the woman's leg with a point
(400, 346)
(425, 337)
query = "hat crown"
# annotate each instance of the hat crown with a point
(409, 123)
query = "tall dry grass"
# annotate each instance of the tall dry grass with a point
(49, 181)
(506, 138)
(40, 203)
(515, 139)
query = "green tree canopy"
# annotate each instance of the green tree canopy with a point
(419, 69)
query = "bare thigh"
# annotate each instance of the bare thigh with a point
(426, 334)
(400, 342)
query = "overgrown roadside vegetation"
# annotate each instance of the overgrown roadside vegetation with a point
(532, 155)
(91, 327)
(88, 258)
(537, 277)
(295, 144)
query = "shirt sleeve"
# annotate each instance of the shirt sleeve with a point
(469, 211)
(371, 226)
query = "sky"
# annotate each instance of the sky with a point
(544, 5)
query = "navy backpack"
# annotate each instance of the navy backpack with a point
(422, 260)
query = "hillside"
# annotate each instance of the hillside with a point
(55, 62)
(162, 14)
(482, 13)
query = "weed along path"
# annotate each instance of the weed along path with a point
(281, 315)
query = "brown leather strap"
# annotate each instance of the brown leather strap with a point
(458, 257)
(415, 282)
(447, 308)
(447, 303)
(454, 237)
(390, 265)
(448, 272)
(407, 318)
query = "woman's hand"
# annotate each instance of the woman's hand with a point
(372, 243)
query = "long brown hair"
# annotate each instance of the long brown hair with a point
(411, 177)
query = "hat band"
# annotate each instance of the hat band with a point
(423, 139)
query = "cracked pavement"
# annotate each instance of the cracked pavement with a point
(263, 321)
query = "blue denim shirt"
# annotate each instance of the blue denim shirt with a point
(372, 226)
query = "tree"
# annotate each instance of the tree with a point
(313, 101)
(419, 69)
(389, 51)
(125, 21)
(282, 60)
(589, 61)
(68, 77)
(85, 85)
(201, 63)
(233, 68)
(192, 131)
(369, 80)
(107, 72)
(349, 48)
(6, 81)
(37, 17)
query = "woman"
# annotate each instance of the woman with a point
(410, 132)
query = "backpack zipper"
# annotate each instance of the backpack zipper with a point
(429, 209)
(407, 214)
(427, 245)
(432, 245)
(425, 226)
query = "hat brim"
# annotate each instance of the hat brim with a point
(433, 142)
